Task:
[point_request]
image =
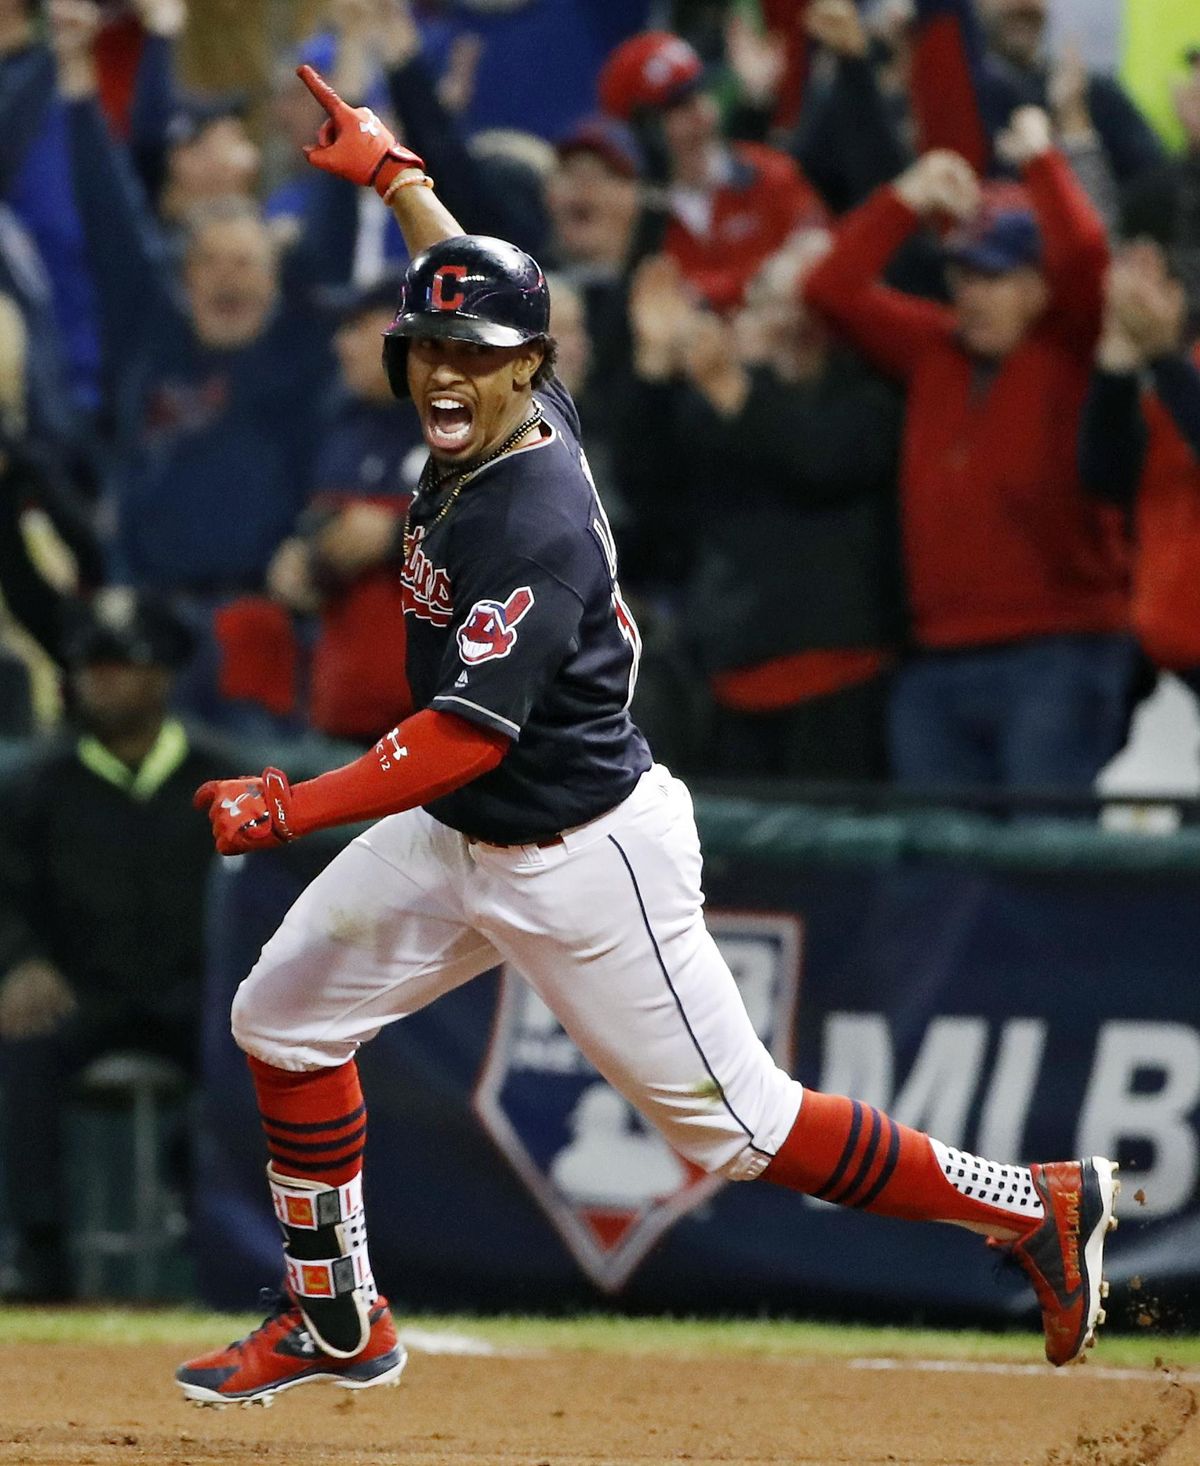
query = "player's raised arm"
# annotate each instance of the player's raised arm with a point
(354, 144)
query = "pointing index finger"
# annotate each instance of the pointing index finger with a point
(321, 89)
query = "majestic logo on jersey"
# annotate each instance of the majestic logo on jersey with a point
(610, 1184)
(490, 630)
(425, 586)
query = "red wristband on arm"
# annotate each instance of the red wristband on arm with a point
(426, 756)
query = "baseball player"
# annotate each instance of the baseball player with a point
(521, 819)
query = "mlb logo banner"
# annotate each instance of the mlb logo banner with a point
(606, 1179)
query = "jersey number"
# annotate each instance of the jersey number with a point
(626, 625)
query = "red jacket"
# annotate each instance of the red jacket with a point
(765, 200)
(357, 679)
(1000, 540)
(1166, 579)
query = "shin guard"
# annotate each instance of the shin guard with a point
(326, 1260)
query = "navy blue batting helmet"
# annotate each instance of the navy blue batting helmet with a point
(467, 288)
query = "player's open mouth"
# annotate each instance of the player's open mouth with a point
(448, 424)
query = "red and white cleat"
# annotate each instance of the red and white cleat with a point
(1063, 1256)
(281, 1353)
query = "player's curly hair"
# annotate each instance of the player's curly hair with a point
(545, 369)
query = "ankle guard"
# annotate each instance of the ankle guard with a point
(325, 1259)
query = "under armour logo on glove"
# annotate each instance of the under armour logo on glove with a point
(247, 813)
(353, 142)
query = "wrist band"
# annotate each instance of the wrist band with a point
(397, 184)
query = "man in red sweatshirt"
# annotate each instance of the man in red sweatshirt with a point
(1022, 671)
(731, 205)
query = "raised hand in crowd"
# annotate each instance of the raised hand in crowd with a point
(660, 312)
(354, 23)
(1145, 312)
(306, 567)
(290, 577)
(941, 182)
(456, 85)
(397, 33)
(838, 25)
(356, 539)
(709, 355)
(757, 58)
(35, 999)
(74, 25)
(162, 17)
(776, 329)
(1068, 94)
(1027, 136)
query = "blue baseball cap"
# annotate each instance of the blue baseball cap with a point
(996, 242)
(344, 302)
(608, 139)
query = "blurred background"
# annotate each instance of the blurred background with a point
(882, 319)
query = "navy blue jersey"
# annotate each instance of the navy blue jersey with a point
(515, 622)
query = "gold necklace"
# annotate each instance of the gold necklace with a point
(464, 477)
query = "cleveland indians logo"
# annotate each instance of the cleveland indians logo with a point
(445, 293)
(490, 631)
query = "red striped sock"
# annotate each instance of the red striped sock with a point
(844, 1151)
(315, 1120)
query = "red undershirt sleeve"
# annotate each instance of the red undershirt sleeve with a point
(426, 756)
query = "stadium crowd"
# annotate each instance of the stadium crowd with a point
(882, 321)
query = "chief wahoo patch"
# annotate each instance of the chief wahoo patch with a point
(490, 630)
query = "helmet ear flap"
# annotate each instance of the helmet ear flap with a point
(395, 364)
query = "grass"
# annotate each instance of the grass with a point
(190, 1330)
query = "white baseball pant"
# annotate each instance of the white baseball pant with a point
(606, 926)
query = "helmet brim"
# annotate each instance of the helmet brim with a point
(457, 326)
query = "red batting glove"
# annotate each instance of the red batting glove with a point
(353, 143)
(248, 813)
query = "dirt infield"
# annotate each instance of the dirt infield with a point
(71, 1404)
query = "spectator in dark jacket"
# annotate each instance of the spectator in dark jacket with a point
(215, 388)
(103, 865)
(1140, 448)
(204, 383)
(1016, 73)
(35, 175)
(1017, 581)
(593, 198)
(776, 454)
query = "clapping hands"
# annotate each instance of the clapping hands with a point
(1145, 309)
